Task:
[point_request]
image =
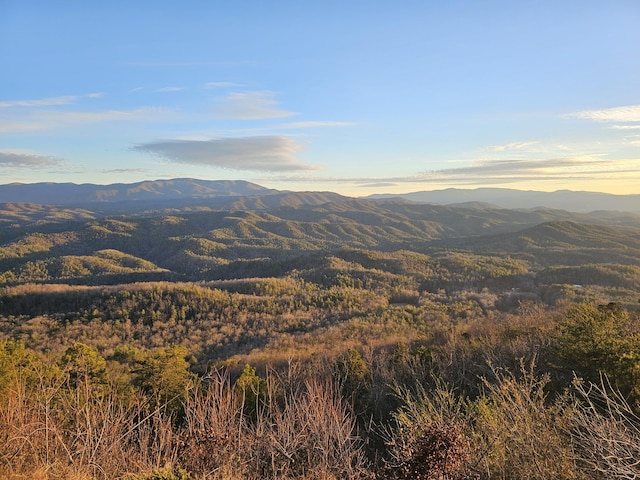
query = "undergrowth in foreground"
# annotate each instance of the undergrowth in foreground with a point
(69, 422)
(415, 388)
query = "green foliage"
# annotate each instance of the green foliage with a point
(84, 366)
(253, 391)
(519, 431)
(17, 366)
(164, 375)
(354, 376)
(594, 340)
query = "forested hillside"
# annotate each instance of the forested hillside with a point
(294, 338)
(42, 245)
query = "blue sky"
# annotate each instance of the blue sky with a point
(354, 97)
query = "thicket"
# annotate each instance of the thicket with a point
(450, 393)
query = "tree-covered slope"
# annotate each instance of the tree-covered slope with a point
(454, 247)
(563, 243)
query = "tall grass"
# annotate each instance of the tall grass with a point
(302, 426)
(58, 432)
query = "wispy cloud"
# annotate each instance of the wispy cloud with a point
(555, 169)
(626, 127)
(315, 124)
(509, 146)
(495, 168)
(272, 153)
(629, 113)
(47, 102)
(377, 185)
(186, 64)
(250, 106)
(488, 172)
(52, 119)
(222, 85)
(169, 89)
(128, 170)
(27, 160)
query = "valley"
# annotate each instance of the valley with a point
(386, 304)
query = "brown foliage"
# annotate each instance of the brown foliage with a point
(439, 451)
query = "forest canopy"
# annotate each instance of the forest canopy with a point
(347, 340)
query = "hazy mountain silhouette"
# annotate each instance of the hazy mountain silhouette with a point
(509, 198)
(147, 191)
(238, 194)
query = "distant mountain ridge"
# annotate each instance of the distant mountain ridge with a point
(243, 195)
(573, 201)
(146, 191)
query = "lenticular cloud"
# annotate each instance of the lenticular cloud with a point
(271, 153)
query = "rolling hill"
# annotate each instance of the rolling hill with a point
(276, 234)
(192, 231)
(561, 243)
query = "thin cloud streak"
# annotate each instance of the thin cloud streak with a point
(625, 127)
(547, 169)
(315, 124)
(629, 113)
(48, 102)
(51, 120)
(522, 167)
(144, 171)
(169, 89)
(213, 85)
(510, 146)
(488, 172)
(250, 106)
(272, 153)
(27, 160)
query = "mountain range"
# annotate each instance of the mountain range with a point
(146, 191)
(509, 198)
(193, 230)
(237, 194)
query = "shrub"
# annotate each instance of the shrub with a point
(518, 432)
(215, 434)
(429, 441)
(164, 474)
(354, 376)
(594, 340)
(252, 389)
(440, 450)
(164, 375)
(606, 431)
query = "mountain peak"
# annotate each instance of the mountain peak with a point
(148, 190)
